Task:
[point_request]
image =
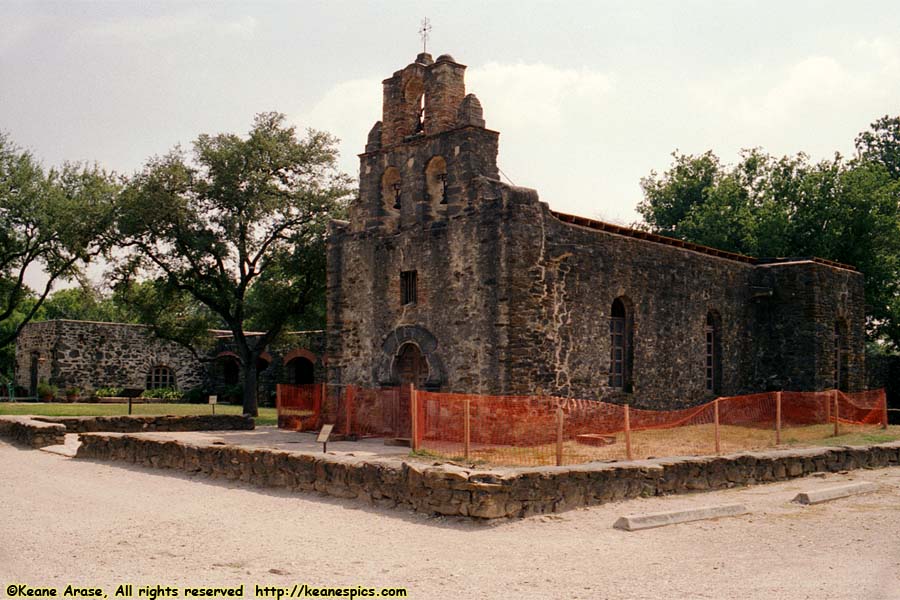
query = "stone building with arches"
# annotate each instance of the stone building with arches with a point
(447, 278)
(89, 355)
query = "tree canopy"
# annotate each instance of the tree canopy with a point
(839, 209)
(52, 222)
(232, 237)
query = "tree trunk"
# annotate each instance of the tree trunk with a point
(250, 382)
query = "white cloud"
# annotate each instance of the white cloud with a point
(536, 95)
(805, 102)
(348, 111)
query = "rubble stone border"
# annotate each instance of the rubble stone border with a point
(449, 489)
(139, 423)
(39, 432)
(27, 431)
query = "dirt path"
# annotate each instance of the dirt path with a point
(69, 521)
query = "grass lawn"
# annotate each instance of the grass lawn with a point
(267, 416)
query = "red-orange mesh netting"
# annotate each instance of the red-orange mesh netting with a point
(869, 407)
(298, 406)
(540, 430)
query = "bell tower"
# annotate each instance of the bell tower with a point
(422, 158)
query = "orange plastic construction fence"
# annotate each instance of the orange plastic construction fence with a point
(538, 430)
(298, 406)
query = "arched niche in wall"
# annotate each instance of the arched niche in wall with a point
(230, 367)
(384, 369)
(414, 94)
(391, 185)
(436, 182)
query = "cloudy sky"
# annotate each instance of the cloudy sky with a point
(588, 96)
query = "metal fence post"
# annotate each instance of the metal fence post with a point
(884, 410)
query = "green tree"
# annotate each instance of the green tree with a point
(846, 211)
(881, 144)
(88, 303)
(234, 237)
(7, 330)
(53, 222)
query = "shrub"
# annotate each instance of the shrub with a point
(195, 395)
(166, 394)
(73, 391)
(47, 391)
(109, 392)
(233, 394)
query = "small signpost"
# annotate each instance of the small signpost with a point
(213, 400)
(324, 434)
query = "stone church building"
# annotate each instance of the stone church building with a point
(450, 279)
(447, 278)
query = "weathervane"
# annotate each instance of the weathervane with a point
(424, 30)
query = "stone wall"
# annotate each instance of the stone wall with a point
(452, 490)
(91, 355)
(457, 305)
(564, 279)
(134, 424)
(31, 432)
(794, 328)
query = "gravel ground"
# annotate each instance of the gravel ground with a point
(90, 523)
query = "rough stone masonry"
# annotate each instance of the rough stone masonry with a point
(450, 279)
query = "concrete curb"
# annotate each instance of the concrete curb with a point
(833, 493)
(660, 519)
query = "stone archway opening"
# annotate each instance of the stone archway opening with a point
(410, 366)
(301, 371)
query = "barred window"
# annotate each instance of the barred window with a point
(160, 377)
(408, 287)
(618, 336)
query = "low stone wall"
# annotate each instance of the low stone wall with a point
(31, 432)
(137, 424)
(452, 490)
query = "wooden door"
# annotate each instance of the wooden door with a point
(410, 368)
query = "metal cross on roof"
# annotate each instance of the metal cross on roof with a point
(424, 30)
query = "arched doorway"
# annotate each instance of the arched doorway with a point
(301, 371)
(231, 370)
(410, 367)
